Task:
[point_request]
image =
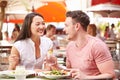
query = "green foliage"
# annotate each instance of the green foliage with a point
(118, 24)
(102, 26)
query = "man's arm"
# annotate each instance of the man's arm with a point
(68, 65)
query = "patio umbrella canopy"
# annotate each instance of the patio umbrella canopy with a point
(106, 10)
(15, 17)
(53, 12)
(16, 10)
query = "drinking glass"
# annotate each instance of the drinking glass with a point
(20, 73)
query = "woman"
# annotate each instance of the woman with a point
(91, 29)
(107, 32)
(15, 32)
(30, 48)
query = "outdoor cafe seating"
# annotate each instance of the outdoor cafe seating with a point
(111, 44)
(5, 49)
(114, 47)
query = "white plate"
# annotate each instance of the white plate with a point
(52, 76)
(11, 73)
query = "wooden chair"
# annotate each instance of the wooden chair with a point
(111, 44)
(4, 53)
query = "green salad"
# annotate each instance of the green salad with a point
(56, 72)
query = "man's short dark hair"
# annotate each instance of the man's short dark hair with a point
(79, 17)
(50, 26)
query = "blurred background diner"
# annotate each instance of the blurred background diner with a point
(104, 15)
(15, 32)
(50, 32)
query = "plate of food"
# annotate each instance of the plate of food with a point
(12, 73)
(54, 74)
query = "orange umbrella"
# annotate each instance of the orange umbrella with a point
(53, 12)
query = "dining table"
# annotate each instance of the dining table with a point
(35, 78)
(39, 76)
(38, 79)
(59, 79)
(32, 75)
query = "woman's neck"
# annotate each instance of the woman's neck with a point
(36, 40)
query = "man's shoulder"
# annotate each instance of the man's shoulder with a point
(94, 41)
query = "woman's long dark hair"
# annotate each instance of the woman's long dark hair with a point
(17, 28)
(25, 30)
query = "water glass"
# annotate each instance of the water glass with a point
(20, 73)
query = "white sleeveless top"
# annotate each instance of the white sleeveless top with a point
(26, 50)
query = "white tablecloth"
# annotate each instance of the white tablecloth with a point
(37, 79)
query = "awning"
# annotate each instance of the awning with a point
(106, 10)
(95, 2)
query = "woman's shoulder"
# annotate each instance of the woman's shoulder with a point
(18, 42)
(22, 42)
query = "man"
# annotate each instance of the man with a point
(112, 33)
(50, 33)
(88, 56)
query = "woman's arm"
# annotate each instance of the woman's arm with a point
(14, 58)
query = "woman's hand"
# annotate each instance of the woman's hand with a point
(14, 58)
(50, 63)
(13, 61)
